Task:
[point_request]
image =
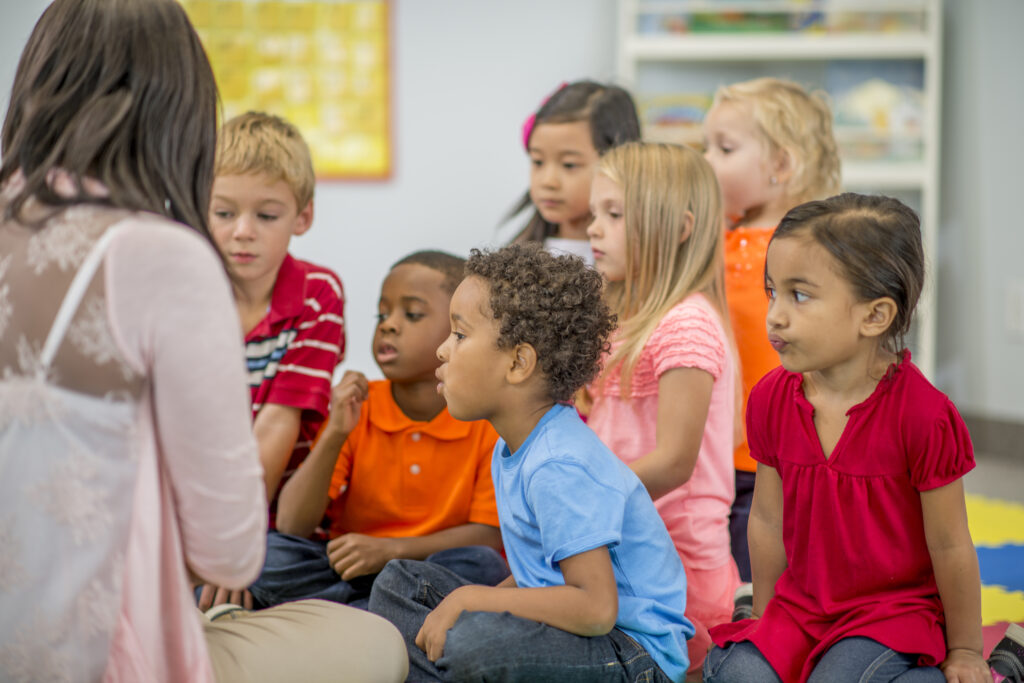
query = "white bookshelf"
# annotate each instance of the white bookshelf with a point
(699, 56)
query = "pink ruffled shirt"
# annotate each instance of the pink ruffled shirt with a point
(697, 513)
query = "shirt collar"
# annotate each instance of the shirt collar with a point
(388, 417)
(289, 297)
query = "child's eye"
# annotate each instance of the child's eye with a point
(615, 215)
(267, 217)
(458, 335)
(569, 166)
(800, 297)
(223, 215)
(536, 162)
(414, 317)
(770, 291)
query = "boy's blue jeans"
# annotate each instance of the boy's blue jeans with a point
(297, 568)
(488, 646)
(851, 660)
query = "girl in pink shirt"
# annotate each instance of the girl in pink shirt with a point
(665, 402)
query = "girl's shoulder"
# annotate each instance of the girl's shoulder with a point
(695, 312)
(918, 398)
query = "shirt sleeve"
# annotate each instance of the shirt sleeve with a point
(574, 512)
(757, 419)
(690, 336)
(174, 317)
(944, 453)
(303, 378)
(484, 509)
(343, 465)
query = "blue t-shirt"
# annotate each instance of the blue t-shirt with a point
(563, 493)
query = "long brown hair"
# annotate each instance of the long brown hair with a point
(119, 91)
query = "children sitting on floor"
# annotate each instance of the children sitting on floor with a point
(397, 476)
(597, 588)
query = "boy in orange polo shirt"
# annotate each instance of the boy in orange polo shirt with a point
(396, 475)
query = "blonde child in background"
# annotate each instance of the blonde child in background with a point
(665, 400)
(873, 575)
(564, 140)
(771, 146)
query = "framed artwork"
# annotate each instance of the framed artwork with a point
(321, 64)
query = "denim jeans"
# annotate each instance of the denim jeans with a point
(488, 646)
(739, 516)
(297, 568)
(851, 660)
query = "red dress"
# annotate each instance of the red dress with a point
(857, 562)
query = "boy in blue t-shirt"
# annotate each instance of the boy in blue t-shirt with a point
(597, 589)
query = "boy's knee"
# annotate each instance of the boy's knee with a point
(474, 647)
(396, 573)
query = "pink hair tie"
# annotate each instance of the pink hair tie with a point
(532, 118)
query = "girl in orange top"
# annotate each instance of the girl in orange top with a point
(771, 146)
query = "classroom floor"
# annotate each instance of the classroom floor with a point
(995, 509)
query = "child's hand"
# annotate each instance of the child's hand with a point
(354, 555)
(213, 595)
(434, 632)
(347, 397)
(965, 666)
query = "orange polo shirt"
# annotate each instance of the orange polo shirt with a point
(745, 252)
(397, 477)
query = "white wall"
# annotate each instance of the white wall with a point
(466, 73)
(981, 235)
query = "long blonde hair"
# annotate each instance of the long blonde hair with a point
(798, 123)
(662, 186)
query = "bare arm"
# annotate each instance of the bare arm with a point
(955, 563)
(684, 396)
(276, 429)
(586, 605)
(353, 555)
(764, 534)
(304, 497)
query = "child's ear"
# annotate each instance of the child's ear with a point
(303, 221)
(688, 221)
(879, 316)
(782, 166)
(524, 362)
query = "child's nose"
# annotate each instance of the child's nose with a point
(549, 175)
(775, 318)
(244, 228)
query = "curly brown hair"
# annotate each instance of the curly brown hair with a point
(552, 303)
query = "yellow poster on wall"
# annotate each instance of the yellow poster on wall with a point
(322, 64)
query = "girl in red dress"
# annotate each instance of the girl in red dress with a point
(863, 565)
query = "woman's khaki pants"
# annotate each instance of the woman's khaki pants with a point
(308, 641)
